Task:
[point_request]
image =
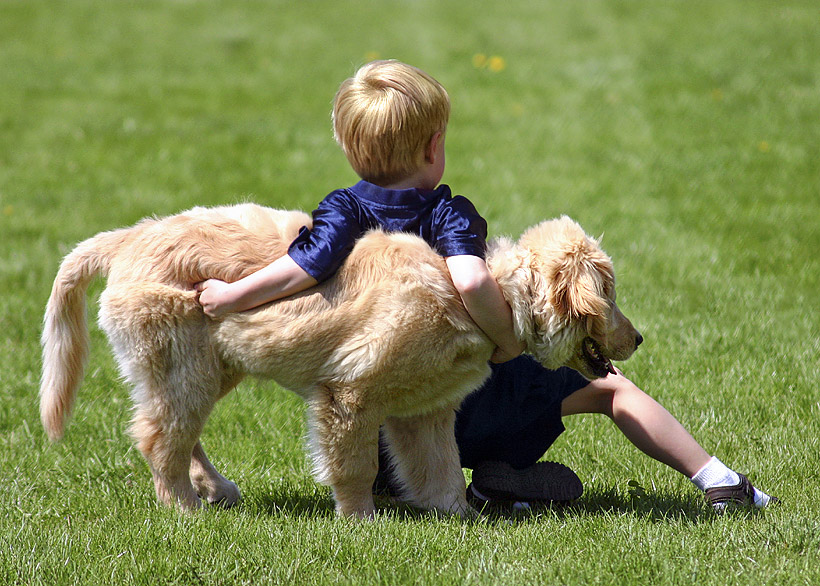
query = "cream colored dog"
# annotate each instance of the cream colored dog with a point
(385, 341)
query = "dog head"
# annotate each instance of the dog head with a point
(561, 287)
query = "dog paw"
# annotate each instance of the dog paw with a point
(223, 494)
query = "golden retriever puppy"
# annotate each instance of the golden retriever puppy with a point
(385, 341)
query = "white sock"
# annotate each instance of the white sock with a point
(716, 473)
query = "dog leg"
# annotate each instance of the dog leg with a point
(169, 461)
(210, 485)
(344, 442)
(424, 452)
(166, 427)
(161, 341)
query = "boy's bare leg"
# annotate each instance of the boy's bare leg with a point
(654, 431)
(644, 421)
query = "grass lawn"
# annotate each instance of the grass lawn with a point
(687, 133)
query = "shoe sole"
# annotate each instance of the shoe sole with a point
(544, 481)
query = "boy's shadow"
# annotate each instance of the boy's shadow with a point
(655, 506)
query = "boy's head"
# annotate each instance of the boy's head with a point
(384, 118)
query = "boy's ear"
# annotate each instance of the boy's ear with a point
(432, 147)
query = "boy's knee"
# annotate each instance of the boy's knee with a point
(621, 385)
(624, 392)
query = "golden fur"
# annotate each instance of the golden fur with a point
(385, 341)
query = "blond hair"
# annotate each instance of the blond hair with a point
(384, 118)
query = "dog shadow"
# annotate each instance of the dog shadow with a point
(297, 503)
(292, 502)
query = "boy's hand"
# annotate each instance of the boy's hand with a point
(214, 297)
(279, 279)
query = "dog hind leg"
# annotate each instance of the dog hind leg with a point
(210, 485)
(172, 406)
(168, 422)
(168, 452)
(160, 340)
(424, 452)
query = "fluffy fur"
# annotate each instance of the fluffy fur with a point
(385, 341)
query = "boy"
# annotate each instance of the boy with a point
(390, 119)
(504, 428)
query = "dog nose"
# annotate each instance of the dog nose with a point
(638, 340)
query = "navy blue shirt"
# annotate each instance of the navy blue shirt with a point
(451, 225)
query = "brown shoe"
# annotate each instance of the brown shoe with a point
(741, 495)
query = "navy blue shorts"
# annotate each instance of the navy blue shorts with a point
(516, 415)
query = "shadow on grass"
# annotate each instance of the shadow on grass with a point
(656, 507)
(317, 502)
(293, 501)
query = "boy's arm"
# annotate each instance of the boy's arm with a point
(486, 305)
(279, 279)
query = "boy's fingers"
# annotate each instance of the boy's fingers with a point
(199, 288)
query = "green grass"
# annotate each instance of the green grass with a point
(685, 132)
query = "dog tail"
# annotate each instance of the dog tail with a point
(65, 331)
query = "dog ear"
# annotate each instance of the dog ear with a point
(571, 276)
(579, 288)
(577, 291)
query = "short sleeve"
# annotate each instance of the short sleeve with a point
(459, 229)
(322, 249)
